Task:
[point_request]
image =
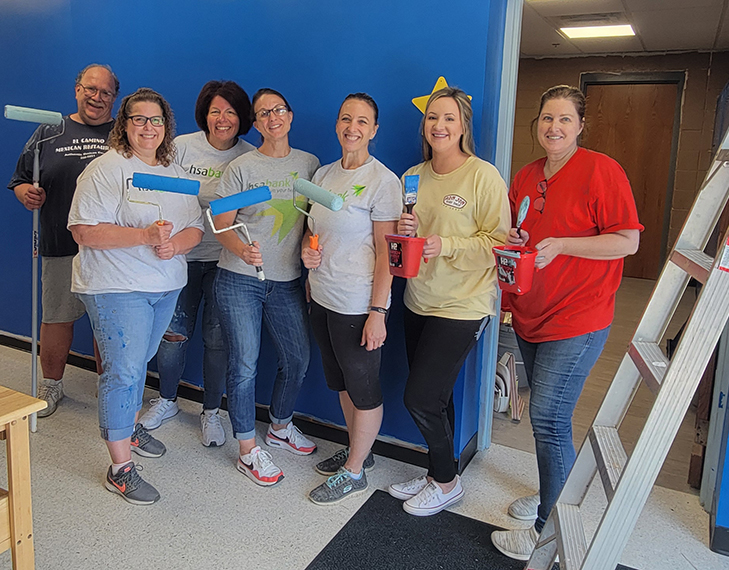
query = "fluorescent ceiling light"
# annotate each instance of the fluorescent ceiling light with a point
(598, 31)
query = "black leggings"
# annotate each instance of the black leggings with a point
(347, 365)
(436, 349)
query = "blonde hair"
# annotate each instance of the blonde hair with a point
(464, 107)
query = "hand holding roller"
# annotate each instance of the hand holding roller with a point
(320, 196)
(236, 202)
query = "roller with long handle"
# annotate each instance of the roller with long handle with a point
(54, 118)
(145, 181)
(320, 196)
(236, 202)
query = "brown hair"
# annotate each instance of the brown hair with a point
(118, 138)
(572, 94)
(464, 106)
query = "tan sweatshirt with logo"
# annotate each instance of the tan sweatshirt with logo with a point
(469, 209)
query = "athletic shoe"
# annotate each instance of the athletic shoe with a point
(258, 466)
(338, 487)
(408, 489)
(516, 544)
(52, 392)
(161, 410)
(290, 439)
(145, 445)
(213, 434)
(525, 508)
(131, 486)
(331, 465)
(432, 500)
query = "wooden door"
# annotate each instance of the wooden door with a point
(633, 123)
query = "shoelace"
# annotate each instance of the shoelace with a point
(427, 493)
(337, 479)
(211, 420)
(295, 436)
(341, 455)
(143, 436)
(413, 484)
(264, 459)
(49, 392)
(131, 478)
(161, 403)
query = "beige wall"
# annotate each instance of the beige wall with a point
(706, 75)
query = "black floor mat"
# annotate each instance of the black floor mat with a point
(381, 536)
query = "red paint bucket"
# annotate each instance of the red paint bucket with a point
(405, 255)
(515, 267)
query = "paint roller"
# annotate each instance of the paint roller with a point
(54, 118)
(236, 202)
(158, 183)
(320, 196)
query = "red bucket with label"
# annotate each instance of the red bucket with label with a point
(515, 267)
(405, 255)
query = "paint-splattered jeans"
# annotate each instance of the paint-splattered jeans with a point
(171, 355)
(128, 328)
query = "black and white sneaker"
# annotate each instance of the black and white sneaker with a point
(331, 465)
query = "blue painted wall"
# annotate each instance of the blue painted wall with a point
(315, 52)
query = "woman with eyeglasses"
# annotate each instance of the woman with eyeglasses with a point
(129, 271)
(462, 212)
(245, 303)
(223, 114)
(350, 290)
(582, 222)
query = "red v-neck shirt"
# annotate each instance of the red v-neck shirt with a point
(572, 296)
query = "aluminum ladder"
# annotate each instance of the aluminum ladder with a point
(628, 481)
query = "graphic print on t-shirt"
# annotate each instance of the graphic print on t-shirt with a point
(285, 215)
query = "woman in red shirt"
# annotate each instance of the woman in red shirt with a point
(582, 222)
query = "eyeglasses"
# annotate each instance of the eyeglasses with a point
(542, 198)
(91, 91)
(278, 110)
(141, 120)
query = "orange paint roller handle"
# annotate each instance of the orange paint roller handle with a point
(314, 241)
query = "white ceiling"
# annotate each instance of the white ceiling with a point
(660, 26)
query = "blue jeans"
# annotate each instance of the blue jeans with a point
(171, 354)
(127, 327)
(244, 303)
(556, 372)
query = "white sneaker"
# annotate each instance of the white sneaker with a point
(290, 439)
(160, 411)
(258, 466)
(213, 434)
(525, 508)
(432, 500)
(408, 489)
(516, 544)
(52, 392)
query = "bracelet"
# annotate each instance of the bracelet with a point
(379, 310)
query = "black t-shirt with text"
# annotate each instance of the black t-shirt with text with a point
(62, 160)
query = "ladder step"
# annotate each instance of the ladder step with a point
(610, 456)
(650, 362)
(694, 262)
(572, 542)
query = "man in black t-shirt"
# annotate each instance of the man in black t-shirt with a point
(62, 159)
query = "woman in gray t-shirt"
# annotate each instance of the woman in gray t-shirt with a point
(245, 303)
(350, 290)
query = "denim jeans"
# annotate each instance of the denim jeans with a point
(127, 327)
(245, 303)
(556, 372)
(171, 354)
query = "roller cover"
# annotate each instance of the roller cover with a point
(318, 194)
(166, 183)
(32, 115)
(240, 200)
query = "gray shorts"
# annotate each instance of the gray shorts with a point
(59, 304)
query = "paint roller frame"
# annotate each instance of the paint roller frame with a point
(236, 202)
(54, 118)
(319, 195)
(157, 183)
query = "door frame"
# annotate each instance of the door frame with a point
(665, 77)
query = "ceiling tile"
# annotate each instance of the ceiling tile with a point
(659, 5)
(550, 8)
(538, 37)
(683, 29)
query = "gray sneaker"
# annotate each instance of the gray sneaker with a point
(332, 465)
(338, 487)
(525, 508)
(131, 486)
(145, 445)
(52, 392)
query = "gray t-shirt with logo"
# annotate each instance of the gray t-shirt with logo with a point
(276, 225)
(203, 162)
(372, 193)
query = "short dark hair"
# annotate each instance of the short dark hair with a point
(80, 75)
(362, 97)
(266, 91)
(236, 97)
